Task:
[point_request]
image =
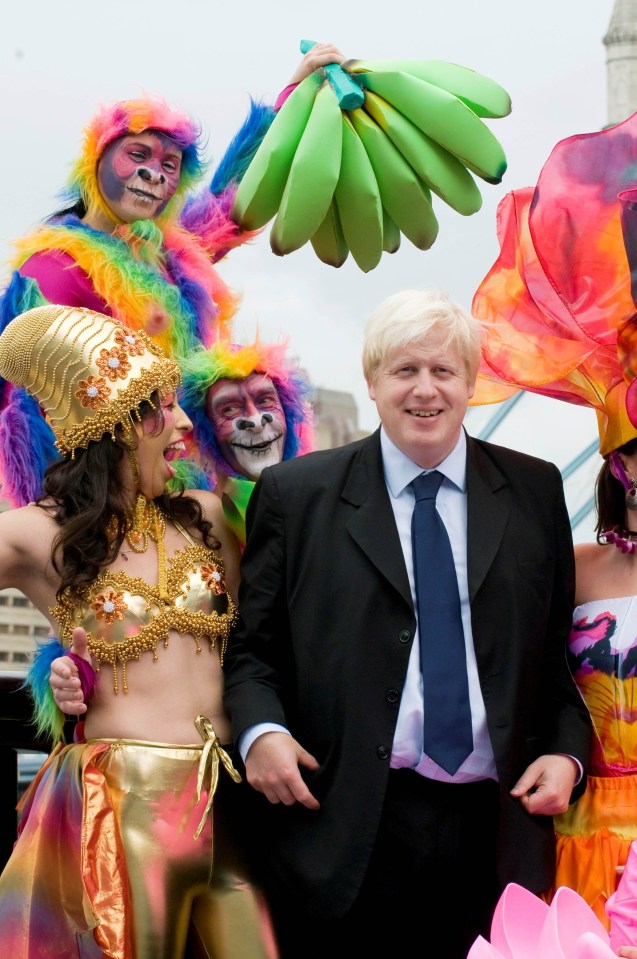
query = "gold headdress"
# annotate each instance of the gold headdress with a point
(87, 371)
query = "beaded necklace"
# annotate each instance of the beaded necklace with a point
(623, 539)
(147, 522)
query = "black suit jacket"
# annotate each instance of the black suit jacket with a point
(325, 633)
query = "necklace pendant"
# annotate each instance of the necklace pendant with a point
(137, 540)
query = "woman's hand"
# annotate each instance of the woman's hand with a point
(319, 56)
(65, 678)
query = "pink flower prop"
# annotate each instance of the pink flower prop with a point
(525, 927)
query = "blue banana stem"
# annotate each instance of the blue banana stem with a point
(348, 93)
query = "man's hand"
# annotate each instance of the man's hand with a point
(319, 56)
(272, 767)
(64, 679)
(545, 787)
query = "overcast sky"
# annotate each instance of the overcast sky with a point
(59, 60)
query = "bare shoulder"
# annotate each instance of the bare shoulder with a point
(589, 554)
(210, 504)
(27, 527)
(213, 511)
(26, 539)
(603, 572)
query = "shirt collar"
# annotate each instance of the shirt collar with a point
(400, 470)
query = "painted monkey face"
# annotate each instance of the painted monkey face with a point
(138, 174)
(249, 423)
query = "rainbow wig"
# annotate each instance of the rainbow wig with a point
(226, 360)
(131, 117)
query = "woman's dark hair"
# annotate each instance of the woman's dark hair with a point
(610, 495)
(77, 209)
(84, 492)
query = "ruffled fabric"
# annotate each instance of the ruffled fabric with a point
(557, 303)
(64, 891)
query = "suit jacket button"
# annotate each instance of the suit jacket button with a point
(382, 752)
(392, 695)
(404, 635)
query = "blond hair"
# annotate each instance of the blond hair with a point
(411, 315)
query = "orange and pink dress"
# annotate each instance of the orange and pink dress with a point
(595, 833)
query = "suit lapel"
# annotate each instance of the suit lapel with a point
(487, 514)
(373, 526)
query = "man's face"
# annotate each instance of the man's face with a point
(421, 392)
(138, 174)
(248, 421)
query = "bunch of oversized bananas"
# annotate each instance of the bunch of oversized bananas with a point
(355, 152)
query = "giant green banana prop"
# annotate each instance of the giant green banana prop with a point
(352, 157)
(312, 178)
(484, 96)
(329, 242)
(440, 170)
(358, 200)
(402, 194)
(259, 196)
(444, 118)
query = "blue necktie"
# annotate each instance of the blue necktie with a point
(447, 731)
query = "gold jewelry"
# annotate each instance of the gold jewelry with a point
(145, 523)
(107, 601)
(134, 465)
(86, 370)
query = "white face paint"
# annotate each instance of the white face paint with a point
(249, 423)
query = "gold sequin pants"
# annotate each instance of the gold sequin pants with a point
(186, 880)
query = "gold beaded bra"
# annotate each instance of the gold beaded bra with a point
(125, 616)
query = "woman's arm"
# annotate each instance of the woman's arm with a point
(26, 537)
(61, 280)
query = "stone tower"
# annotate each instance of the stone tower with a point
(621, 61)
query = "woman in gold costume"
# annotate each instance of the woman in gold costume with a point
(122, 852)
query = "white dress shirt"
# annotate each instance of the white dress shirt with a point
(451, 504)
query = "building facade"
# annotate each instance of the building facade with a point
(21, 628)
(335, 418)
(621, 61)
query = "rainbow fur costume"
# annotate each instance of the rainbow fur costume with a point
(155, 275)
(227, 360)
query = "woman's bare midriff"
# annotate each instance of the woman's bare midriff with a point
(164, 696)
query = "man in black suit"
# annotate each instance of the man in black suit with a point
(366, 842)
